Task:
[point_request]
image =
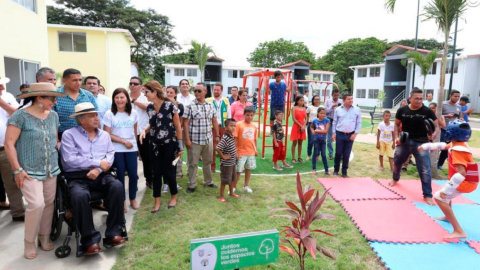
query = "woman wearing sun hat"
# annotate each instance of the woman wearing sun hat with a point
(30, 145)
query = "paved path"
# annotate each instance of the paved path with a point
(12, 234)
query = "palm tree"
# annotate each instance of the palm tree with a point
(424, 62)
(201, 55)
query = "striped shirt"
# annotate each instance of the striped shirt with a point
(200, 116)
(227, 146)
(66, 106)
(36, 144)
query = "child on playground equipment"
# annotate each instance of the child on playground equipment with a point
(278, 148)
(228, 158)
(462, 172)
(385, 140)
(299, 116)
(319, 129)
(277, 95)
(246, 140)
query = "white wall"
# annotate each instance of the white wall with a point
(171, 79)
(367, 83)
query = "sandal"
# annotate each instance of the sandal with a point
(308, 158)
(30, 250)
(300, 160)
(287, 166)
(44, 242)
(327, 173)
(278, 169)
(222, 200)
(294, 161)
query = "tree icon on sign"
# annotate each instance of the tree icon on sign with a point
(266, 247)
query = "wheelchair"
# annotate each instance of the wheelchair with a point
(62, 207)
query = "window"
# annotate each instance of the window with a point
(28, 4)
(373, 93)
(326, 77)
(72, 42)
(317, 76)
(242, 73)
(433, 69)
(168, 70)
(233, 73)
(449, 66)
(375, 72)
(428, 91)
(191, 73)
(361, 93)
(362, 73)
(179, 72)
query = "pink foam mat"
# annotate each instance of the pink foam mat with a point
(475, 245)
(393, 221)
(411, 190)
(351, 189)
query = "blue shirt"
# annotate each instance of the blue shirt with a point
(465, 115)
(231, 100)
(277, 93)
(347, 121)
(104, 104)
(66, 106)
(320, 125)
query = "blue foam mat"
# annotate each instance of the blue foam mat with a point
(473, 196)
(427, 256)
(468, 215)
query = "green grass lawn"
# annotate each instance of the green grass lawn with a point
(161, 241)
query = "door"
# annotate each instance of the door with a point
(20, 72)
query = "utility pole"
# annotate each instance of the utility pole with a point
(453, 58)
(416, 43)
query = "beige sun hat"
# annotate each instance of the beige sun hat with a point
(42, 89)
(83, 108)
(4, 80)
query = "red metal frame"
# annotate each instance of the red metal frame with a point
(264, 76)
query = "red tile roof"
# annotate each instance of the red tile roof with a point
(294, 63)
(404, 47)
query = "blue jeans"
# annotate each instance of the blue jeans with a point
(329, 139)
(127, 161)
(342, 151)
(422, 160)
(319, 150)
(310, 140)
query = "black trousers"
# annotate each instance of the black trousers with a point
(144, 150)
(163, 169)
(79, 188)
(3, 197)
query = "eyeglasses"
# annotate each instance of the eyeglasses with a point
(197, 91)
(134, 83)
(53, 99)
(417, 99)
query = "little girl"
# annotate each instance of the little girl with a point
(319, 129)
(299, 116)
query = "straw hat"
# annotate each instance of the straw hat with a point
(42, 89)
(83, 108)
(4, 80)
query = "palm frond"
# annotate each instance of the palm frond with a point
(445, 12)
(390, 5)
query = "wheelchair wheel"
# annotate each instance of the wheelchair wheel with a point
(63, 251)
(57, 216)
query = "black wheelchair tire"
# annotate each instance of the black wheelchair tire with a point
(63, 251)
(58, 218)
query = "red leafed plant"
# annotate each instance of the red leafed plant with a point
(301, 218)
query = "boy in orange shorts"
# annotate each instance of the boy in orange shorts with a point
(462, 171)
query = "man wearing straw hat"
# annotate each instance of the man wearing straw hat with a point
(87, 153)
(8, 105)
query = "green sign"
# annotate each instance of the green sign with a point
(234, 251)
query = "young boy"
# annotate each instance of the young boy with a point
(278, 149)
(277, 93)
(462, 171)
(246, 140)
(228, 157)
(385, 140)
(465, 110)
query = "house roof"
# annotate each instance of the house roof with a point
(321, 72)
(127, 33)
(180, 66)
(305, 63)
(215, 58)
(398, 46)
(367, 66)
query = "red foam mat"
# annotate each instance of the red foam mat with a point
(351, 189)
(394, 221)
(411, 190)
(475, 245)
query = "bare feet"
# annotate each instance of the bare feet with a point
(441, 218)
(382, 169)
(392, 183)
(308, 158)
(234, 195)
(314, 173)
(455, 235)
(429, 201)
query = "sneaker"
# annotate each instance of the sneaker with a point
(165, 188)
(212, 186)
(344, 175)
(330, 157)
(287, 166)
(440, 168)
(248, 189)
(179, 187)
(234, 189)
(404, 169)
(335, 173)
(278, 169)
(190, 190)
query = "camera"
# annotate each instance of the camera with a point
(339, 104)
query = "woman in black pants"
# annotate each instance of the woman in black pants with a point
(165, 141)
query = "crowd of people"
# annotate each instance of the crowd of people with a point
(83, 134)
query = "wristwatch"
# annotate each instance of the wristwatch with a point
(133, 100)
(17, 171)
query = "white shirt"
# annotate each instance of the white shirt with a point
(142, 114)
(104, 104)
(218, 106)
(122, 125)
(306, 100)
(312, 112)
(386, 132)
(4, 116)
(185, 100)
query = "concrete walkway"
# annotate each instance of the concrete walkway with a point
(12, 234)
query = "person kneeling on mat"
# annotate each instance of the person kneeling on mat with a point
(462, 172)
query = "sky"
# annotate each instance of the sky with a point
(235, 28)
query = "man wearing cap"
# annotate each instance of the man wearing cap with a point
(72, 80)
(87, 154)
(92, 84)
(8, 105)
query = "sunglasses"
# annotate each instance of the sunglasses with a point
(134, 83)
(53, 99)
(198, 91)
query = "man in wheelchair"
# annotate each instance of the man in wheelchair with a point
(86, 156)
